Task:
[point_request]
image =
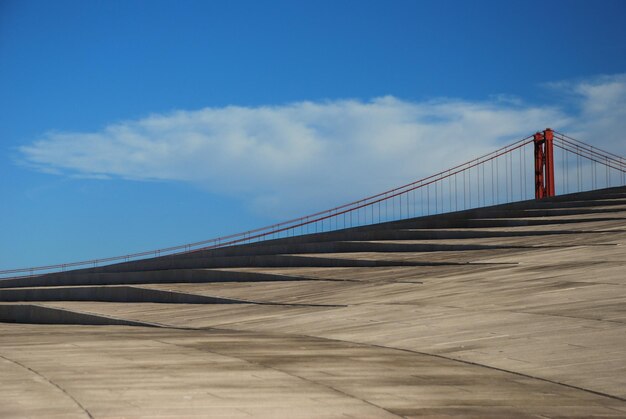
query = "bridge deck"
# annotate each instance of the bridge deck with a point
(479, 319)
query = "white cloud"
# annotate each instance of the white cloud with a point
(310, 155)
(601, 115)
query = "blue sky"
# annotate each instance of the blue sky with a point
(132, 125)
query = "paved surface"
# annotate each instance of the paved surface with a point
(518, 312)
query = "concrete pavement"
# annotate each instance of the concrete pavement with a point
(514, 312)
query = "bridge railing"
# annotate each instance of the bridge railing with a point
(502, 176)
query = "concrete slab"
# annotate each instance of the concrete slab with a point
(532, 325)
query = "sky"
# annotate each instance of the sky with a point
(133, 125)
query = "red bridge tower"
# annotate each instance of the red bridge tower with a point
(544, 164)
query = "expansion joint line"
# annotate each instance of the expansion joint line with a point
(462, 361)
(48, 380)
(269, 367)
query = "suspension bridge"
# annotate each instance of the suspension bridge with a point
(495, 288)
(525, 169)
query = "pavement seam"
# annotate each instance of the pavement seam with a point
(159, 325)
(521, 374)
(373, 345)
(352, 342)
(260, 364)
(48, 380)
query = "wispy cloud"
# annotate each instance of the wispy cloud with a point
(600, 115)
(315, 154)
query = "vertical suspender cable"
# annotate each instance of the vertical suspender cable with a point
(456, 198)
(450, 190)
(464, 194)
(408, 215)
(469, 188)
(524, 177)
(493, 192)
(521, 176)
(436, 199)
